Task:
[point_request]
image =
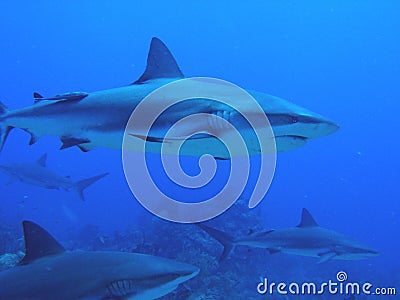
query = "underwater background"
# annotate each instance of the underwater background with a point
(338, 58)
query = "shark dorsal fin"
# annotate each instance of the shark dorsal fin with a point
(42, 160)
(38, 243)
(160, 63)
(307, 220)
(36, 95)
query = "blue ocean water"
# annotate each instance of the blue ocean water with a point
(337, 58)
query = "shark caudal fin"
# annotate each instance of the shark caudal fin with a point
(225, 239)
(4, 129)
(81, 185)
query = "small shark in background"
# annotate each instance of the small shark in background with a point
(89, 120)
(49, 272)
(307, 239)
(36, 173)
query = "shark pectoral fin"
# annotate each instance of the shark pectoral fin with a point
(160, 63)
(323, 257)
(86, 147)
(68, 142)
(274, 250)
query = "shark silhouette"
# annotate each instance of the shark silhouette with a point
(37, 174)
(307, 239)
(49, 272)
(89, 120)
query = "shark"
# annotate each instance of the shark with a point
(38, 174)
(306, 239)
(99, 119)
(48, 272)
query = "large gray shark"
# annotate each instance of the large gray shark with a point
(48, 272)
(36, 173)
(88, 120)
(307, 239)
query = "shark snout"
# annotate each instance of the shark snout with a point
(307, 126)
(186, 271)
(372, 253)
(165, 267)
(317, 126)
(360, 252)
(173, 271)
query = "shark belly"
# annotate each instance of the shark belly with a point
(310, 252)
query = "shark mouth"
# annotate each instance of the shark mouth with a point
(283, 142)
(290, 142)
(130, 287)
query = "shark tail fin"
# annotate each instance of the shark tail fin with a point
(4, 129)
(81, 185)
(225, 239)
